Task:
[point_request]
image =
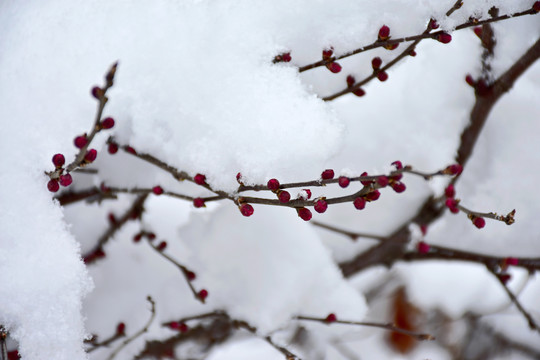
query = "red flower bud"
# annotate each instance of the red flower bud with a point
(66, 180)
(334, 67)
(107, 123)
(162, 245)
(365, 182)
(382, 76)
(450, 192)
(479, 222)
(359, 92)
(469, 79)
(273, 184)
(359, 203)
(80, 141)
(112, 148)
(382, 181)
(350, 80)
(246, 209)
(376, 63)
(321, 206)
(327, 54)
(203, 294)
(384, 33)
(286, 57)
(445, 38)
(121, 328)
(344, 181)
(372, 196)
(53, 185)
(58, 160)
(454, 169)
(398, 187)
(511, 261)
(304, 213)
(90, 155)
(284, 196)
(423, 248)
(198, 203)
(331, 318)
(158, 190)
(398, 164)
(327, 174)
(200, 179)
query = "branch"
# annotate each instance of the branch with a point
(188, 274)
(244, 325)
(138, 333)
(133, 212)
(435, 252)
(386, 253)
(533, 325)
(387, 326)
(422, 36)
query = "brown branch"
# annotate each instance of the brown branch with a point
(444, 253)
(387, 326)
(138, 333)
(133, 212)
(244, 325)
(422, 36)
(102, 98)
(484, 104)
(533, 325)
(184, 270)
(353, 235)
(386, 253)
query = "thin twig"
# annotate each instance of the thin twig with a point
(387, 252)
(138, 333)
(134, 211)
(533, 325)
(184, 270)
(387, 326)
(287, 353)
(79, 159)
(353, 235)
(422, 36)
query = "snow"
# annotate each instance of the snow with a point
(196, 87)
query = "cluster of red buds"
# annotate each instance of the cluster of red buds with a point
(285, 57)
(80, 142)
(330, 65)
(64, 179)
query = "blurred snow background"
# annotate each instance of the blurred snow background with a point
(196, 87)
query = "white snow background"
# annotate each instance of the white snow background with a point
(196, 87)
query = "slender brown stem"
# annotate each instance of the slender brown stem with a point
(138, 333)
(387, 326)
(422, 36)
(184, 270)
(133, 212)
(353, 235)
(533, 325)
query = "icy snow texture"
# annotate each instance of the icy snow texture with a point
(196, 88)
